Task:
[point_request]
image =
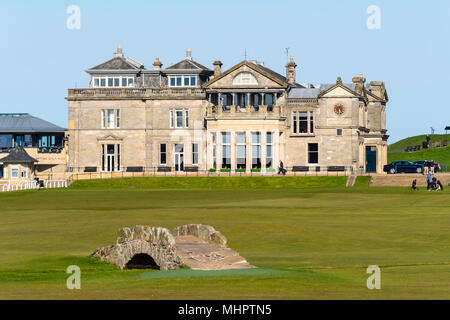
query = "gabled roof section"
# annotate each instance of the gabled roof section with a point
(269, 73)
(118, 63)
(26, 123)
(351, 88)
(18, 155)
(188, 64)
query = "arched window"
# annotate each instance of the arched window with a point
(245, 78)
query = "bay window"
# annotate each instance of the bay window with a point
(241, 150)
(256, 150)
(269, 150)
(226, 150)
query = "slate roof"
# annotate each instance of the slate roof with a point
(26, 123)
(187, 64)
(303, 93)
(18, 155)
(118, 63)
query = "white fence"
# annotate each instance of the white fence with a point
(28, 185)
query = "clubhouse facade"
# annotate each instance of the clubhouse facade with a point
(187, 117)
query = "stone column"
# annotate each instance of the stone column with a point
(219, 150)
(248, 99)
(233, 150)
(248, 150)
(274, 98)
(276, 150)
(262, 98)
(234, 99)
(263, 150)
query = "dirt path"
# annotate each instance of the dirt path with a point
(199, 255)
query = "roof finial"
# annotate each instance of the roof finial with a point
(339, 80)
(188, 54)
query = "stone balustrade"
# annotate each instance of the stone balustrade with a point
(135, 93)
(214, 110)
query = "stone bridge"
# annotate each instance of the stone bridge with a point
(195, 246)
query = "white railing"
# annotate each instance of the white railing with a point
(18, 185)
(28, 185)
(54, 184)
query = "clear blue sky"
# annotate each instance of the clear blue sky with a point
(42, 58)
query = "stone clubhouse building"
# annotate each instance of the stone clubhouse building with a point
(187, 117)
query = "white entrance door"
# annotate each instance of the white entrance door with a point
(110, 158)
(179, 157)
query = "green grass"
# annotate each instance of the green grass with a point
(416, 141)
(308, 243)
(441, 155)
(252, 183)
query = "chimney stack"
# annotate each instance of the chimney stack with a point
(157, 64)
(360, 79)
(189, 54)
(217, 68)
(290, 71)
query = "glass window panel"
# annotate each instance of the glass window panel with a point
(311, 122)
(172, 81)
(186, 81)
(110, 82)
(226, 137)
(303, 126)
(313, 153)
(124, 82)
(193, 81)
(6, 140)
(116, 82)
(269, 138)
(240, 138)
(96, 82)
(103, 82)
(130, 82)
(256, 137)
(179, 114)
(294, 122)
(179, 81)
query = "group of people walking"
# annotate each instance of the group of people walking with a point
(433, 184)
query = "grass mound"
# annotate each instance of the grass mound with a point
(417, 140)
(248, 183)
(441, 155)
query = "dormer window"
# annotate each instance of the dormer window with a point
(245, 78)
(113, 82)
(182, 81)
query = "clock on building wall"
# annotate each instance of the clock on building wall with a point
(339, 109)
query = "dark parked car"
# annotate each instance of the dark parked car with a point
(437, 166)
(403, 167)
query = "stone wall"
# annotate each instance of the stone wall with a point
(204, 233)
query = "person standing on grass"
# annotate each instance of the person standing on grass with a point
(431, 166)
(425, 167)
(428, 180)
